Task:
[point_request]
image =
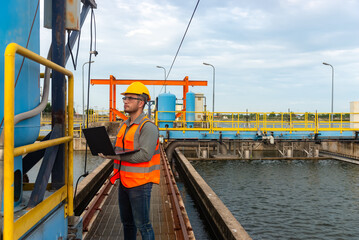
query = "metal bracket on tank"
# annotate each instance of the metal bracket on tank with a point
(167, 134)
(356, 135)
(316, 139)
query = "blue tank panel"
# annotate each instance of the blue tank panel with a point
(190, 108)
(166, 102)
(16, 18)
(54, 227)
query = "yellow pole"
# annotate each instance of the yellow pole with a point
(71, 134)
(9, 96)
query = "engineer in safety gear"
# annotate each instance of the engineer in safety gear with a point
(139, 170)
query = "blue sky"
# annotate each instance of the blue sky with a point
(268, 54)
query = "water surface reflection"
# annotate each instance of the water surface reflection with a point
(288, 199)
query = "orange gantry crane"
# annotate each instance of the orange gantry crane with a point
(112, 82)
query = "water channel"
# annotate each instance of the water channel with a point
(298, 199)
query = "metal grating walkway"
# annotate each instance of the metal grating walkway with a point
(108, 223)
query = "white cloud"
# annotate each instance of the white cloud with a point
(268, 54)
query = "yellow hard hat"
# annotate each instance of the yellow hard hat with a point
(137, 88)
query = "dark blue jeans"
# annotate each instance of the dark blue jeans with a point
(135, 211)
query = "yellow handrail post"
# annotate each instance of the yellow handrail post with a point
(265, 121)
(71, 149)
(330, 120)
(184, 119)
(232, 120)
(290, 122)
(156, 120)
(9, 96)
(316, 122)
(23, 224)
(211, 122)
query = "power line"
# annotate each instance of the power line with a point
(184, 35)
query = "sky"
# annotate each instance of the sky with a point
(267, 54)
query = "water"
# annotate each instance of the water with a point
(79, 163)
(288, 200)
(200, 229)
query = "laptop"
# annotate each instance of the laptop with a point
(99, 142)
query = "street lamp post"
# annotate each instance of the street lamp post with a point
(214, 83)
(332, 85)
(83, 94)
(165, 74)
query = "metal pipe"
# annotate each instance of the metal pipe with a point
(214, 83)
(173, 145)
(332, 86)
(165, 75)
(58, 87)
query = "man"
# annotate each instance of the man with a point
(139, 170)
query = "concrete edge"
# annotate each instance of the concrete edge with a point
(89, 186)
(226, 224)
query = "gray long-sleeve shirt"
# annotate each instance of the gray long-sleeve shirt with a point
(147, 141)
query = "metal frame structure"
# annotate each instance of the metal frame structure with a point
(254, 125)
(112, 82)
(63, 194)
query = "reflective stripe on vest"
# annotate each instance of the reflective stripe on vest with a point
(116, 164)
(135, 174)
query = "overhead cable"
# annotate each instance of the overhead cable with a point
(92, 51)
(179, 47)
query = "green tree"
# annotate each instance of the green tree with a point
(90, 111)
(272, 115)
(48, 108)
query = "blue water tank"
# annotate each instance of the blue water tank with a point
(190, 108)
(16, 18)
(166, 103)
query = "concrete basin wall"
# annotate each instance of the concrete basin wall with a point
(89, 186)
(349, 148)
(222, 221)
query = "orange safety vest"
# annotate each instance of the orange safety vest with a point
(135, 174)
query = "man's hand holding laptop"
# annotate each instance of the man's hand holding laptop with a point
(109, 156)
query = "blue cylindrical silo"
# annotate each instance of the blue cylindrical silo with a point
(166, 109)
(16, 18)
(190, 108)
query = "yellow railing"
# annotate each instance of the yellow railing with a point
(263, 121)
(14, 230)
(96, 116)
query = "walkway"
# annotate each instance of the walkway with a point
(108, 223)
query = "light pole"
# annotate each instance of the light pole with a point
(214, 83)
(165, 74)
(332, 84)
(83, 94)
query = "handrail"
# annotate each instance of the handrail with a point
(179, 220)
(10, 152)
(263, 121)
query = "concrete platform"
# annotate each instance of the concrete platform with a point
(108, 223)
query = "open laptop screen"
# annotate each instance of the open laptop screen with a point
(99, 142)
